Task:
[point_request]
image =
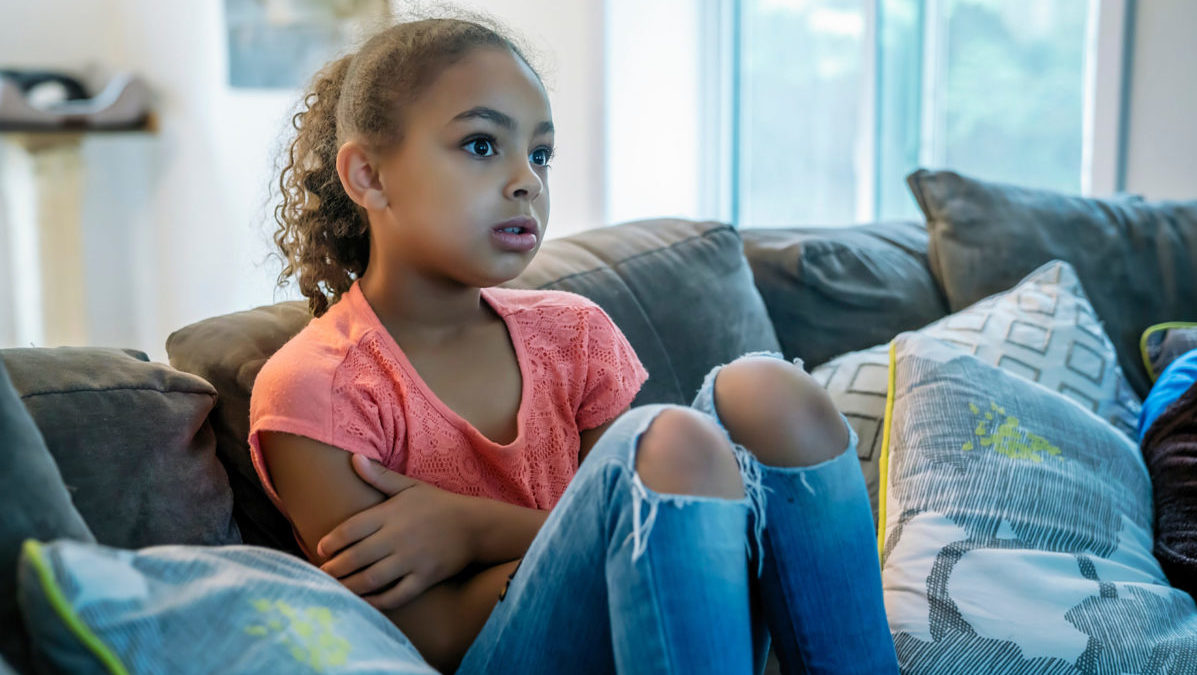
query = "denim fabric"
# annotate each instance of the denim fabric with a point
(622, 578)
(1171, 385)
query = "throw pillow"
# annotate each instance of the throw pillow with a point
(35, 503)
(132, 441)
(228, 351)
(1043, 329)
(680, 290)
(1162, 343)
(831, 291)
(1137, 259)
(1017, 529)
(191, 609)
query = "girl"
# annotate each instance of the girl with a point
(428, 433)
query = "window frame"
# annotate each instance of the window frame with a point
(715, 191)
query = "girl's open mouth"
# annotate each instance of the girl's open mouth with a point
(516, 234)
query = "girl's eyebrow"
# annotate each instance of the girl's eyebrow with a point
(500, 118)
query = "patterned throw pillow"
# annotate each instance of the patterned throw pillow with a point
(1136, 258)
(183, 609)
(1017, 530)
(1043, 329)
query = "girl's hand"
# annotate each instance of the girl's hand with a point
(418, 537)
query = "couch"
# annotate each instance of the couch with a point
(150, 454)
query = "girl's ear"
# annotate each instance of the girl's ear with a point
(359, 177)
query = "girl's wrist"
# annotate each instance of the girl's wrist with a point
(471, 515)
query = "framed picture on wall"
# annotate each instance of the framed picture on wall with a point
(280, 44)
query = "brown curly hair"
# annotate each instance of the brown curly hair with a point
(322, 234)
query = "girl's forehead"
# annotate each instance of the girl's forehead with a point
(488, 78)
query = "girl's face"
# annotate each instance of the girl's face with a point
(474, 156)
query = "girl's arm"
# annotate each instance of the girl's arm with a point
(320, 489)
(498, 531)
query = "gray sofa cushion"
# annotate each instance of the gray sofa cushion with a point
(1137, 260)
(680, 290)
(831, 291)
(132, 441)
(228, 351)
(35, 504)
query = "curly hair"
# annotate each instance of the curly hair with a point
(322, 234)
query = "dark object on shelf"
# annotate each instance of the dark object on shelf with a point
(122, 102)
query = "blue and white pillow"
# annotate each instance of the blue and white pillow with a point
(188, 609)
(1016, 529)
(1044, 329)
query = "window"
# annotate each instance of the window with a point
(833, 102)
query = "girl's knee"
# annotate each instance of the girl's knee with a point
(685, 452)
(779, 412)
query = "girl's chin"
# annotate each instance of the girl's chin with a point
(510, 268)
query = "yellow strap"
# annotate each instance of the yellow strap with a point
(883, 466)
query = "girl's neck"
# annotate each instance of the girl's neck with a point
(421, 311)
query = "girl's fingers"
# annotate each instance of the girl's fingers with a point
(358, 556)
(409, 588)
(354, 529)
(381, 478)
(377, 576)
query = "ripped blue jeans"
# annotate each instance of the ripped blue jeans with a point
(624, 579)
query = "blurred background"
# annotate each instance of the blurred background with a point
(765, 113)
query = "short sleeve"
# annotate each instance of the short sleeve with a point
(613, 372)
(308, 397)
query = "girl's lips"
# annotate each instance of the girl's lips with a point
(522, 241)
(510, 241)
(526, 223)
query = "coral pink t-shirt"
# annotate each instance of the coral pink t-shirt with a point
(345, 382)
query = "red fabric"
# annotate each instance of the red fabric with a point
(345, 382)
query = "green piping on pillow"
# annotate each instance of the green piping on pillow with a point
(883, 464)
(32, 551)
(1155, 329)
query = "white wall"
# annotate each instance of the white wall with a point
(1161, 160)
(177, 224)
(652, 121)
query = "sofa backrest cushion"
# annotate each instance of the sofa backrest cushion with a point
(132, 441)
(228, 351)
(835, 290)
(680, 290)
(35, 504)
(1136, 259)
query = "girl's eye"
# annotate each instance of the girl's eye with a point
(541, 156)
(483, 147)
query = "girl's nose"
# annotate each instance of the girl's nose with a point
(525, 183)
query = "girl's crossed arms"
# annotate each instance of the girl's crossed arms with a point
(435, 562)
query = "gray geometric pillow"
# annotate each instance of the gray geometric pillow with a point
(1043, 329)
(1017, 530)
